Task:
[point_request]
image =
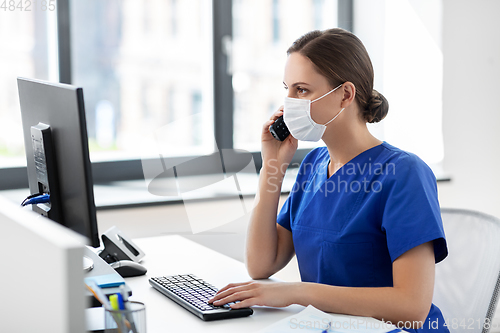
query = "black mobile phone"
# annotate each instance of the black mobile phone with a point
(279, 130)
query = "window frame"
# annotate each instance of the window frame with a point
(123, 170)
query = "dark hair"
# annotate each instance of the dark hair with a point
(340, 56)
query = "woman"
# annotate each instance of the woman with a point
(363, 217)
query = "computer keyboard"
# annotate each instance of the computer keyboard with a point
(192, 293)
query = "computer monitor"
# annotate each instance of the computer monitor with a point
(57, 154)
(42, 277)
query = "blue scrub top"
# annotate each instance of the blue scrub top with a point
(348, 229)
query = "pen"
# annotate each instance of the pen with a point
(113, 300)
(130, 316)
(98, 294)
(124, 294)
(119, 299)
(327, 328)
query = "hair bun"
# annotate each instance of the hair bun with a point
(377, 107)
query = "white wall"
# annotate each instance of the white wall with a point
(403, 39)
(471, 110)
(471, 106)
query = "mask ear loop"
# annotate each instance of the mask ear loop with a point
(334, 117)
(317, 99)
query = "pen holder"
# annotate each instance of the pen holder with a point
(131, 320)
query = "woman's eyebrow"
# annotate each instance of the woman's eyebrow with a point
(297, 83)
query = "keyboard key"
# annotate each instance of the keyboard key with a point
(191, 291)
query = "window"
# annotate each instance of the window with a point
(262, 35)
(27, 48)
(192, 72)
(142, 65)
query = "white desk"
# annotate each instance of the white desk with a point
(168, 255)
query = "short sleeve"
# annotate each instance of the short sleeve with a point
(411, 215)
(283, 218)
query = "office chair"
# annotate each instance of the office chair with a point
(468, 280)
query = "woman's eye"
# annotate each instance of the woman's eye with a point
(301, 90)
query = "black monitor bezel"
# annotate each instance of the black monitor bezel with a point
(61, 106)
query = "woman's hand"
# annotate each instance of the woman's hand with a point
(278, 294)
(275, 153)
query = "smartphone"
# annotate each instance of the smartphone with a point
(279, 130)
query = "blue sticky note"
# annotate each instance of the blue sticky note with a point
(106, 281)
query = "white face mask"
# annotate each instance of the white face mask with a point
(297, 116)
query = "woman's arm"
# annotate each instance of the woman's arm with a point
(409, 300)
(269, 246)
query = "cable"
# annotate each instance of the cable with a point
(36, 199)
(29, 197)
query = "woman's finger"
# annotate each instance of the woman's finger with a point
(233, 285)
(226, 293)
(245, 303)
(277, 114)
(227, 290)
(265, 128)
(237, 296)
(226, 287)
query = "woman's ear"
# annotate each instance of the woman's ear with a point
(349, 91)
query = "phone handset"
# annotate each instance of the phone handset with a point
(279, 130)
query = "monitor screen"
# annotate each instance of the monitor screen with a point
(57, 154)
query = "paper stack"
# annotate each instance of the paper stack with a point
(313, 320)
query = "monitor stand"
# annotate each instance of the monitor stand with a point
(88, 264)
